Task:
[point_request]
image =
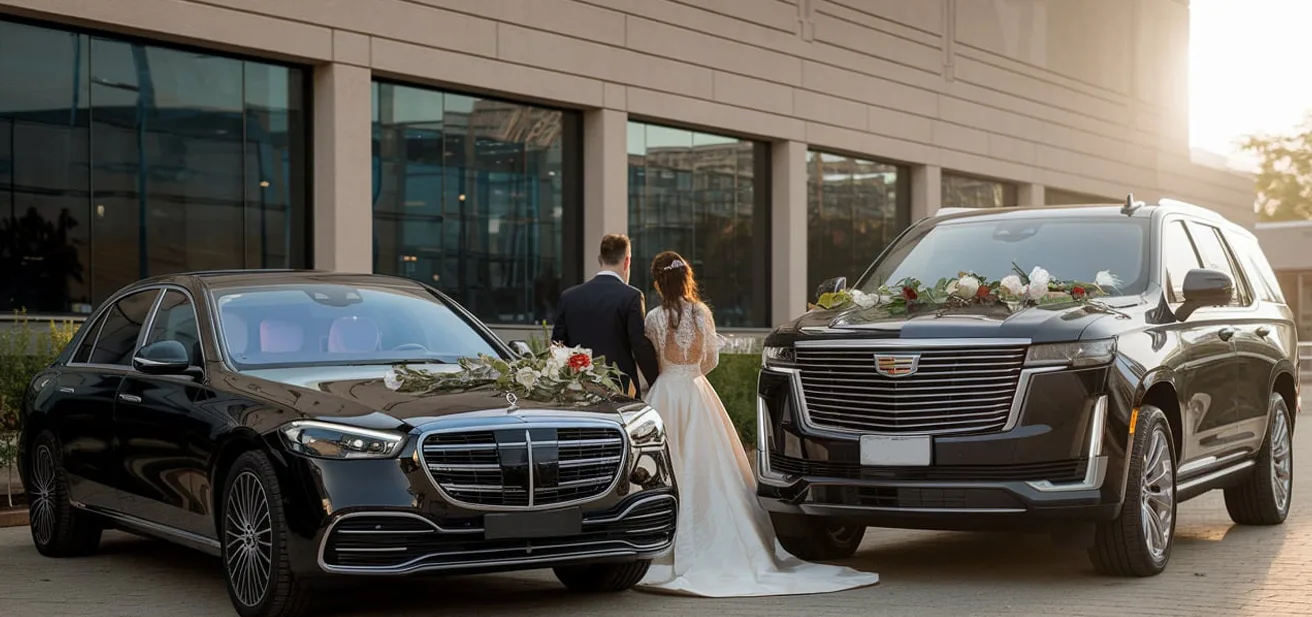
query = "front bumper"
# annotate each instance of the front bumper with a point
(389, 517)
(1060, 459)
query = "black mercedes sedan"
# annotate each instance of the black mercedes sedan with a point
(245, 414)
(1080, 369)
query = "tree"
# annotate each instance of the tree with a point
(1284, 180)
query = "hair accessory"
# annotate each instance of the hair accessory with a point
(674, 265)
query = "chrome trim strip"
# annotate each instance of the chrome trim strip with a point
(1096, 470)
(154, 528)
(1215, 475)
(410, 566)
(818, 508)
(1207, 462)
(527, 425)
(532, 469)
(875, 343)
(764, 474)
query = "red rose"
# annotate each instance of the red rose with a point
(909, 293)
(579, 361)
(1078, 291)
(983, 292)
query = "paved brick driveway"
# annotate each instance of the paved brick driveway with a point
(1217, 569)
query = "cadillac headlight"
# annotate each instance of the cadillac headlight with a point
(1081, 353)
(646, 429)
(777, 355)
(339, 441)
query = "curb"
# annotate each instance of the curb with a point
(16, 517)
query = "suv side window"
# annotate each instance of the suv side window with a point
(1258, 268)
(92, 328)
(175, 320)
(123, 323)
(1215, 256)
(1179, 257)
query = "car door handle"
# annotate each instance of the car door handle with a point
(66, 390)
(1262, 331)
(1226, 333)
(129, 398)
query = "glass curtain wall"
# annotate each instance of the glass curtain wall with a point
(477, 197)
(705, 196)
(121, 160)
(962, 191)
(1059, 197)
(855, 207)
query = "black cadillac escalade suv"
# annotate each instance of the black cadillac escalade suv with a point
(1156, 362)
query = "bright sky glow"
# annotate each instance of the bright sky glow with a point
(1248, 70)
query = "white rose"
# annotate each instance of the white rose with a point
(558, 359)
(1012, 284)
(1105, 278)
(968, 286)
(952, 287)
(1039, 279)
(526, 377)
(392, 380)
(863, 299)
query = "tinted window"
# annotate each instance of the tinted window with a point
(322, 324)
(176, 321)
(1215, 257)
(1179, 257)
(92, 329)
(1258, 268)
(1067, 248)
(123, 323)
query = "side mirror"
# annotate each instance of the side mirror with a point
(162, 358)
(1203, 288)
(833, 285)
(520, 347)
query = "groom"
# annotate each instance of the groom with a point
(606, 315)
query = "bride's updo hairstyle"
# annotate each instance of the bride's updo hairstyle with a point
(674, 281)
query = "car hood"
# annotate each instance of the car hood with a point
(357, 395)
(1047, 323)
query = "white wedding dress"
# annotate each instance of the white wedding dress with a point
(725, 545)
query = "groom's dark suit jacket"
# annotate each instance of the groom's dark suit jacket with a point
(606, 315)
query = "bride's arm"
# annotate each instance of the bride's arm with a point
(710, 340)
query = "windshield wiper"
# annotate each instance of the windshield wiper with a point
(1107, 308)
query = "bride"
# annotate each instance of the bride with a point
(725, 545)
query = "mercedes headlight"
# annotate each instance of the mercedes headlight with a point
(1081, 353)
(777, 355)
(339, 441)
(646, 429)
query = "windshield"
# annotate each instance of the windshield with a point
(1069, 249)
(323, 324)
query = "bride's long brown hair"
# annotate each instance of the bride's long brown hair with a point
(675, 283)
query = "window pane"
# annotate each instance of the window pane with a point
(1179, 256)
(123, 322)
(176, 321)
(852, 214)
(1215, 257)
(1058, 197)
(960, 191)
(197, 162)
(469, 198)
(698, 194)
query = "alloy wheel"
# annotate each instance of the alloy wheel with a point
(1282, 463)
(248, 534)
(42, 496)
(1157, 495)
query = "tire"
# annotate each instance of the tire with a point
(1138, 542)
(602, 577)
(58, 529)
(1264, 498)
(817, 539)
(253, 536)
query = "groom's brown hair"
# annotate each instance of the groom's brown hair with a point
(613, 249)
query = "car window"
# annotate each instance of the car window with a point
(1179, 256)
(1212, 250)
(92, 329)
(1258, 268)
(326, 324)
(175, 320)
(123, 323)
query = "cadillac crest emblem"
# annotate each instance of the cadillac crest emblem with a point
(894, 365)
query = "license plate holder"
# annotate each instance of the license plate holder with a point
(897, 450)
(524, 525)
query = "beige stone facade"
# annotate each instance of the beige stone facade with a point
(1073, 96)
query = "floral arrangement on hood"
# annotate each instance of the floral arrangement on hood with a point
(550, 373)
(1015, 290)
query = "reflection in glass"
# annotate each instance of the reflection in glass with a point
(961, 191)
(854, 209)
(698, 194)
(470, 197)
(1058, 197)
(120, 161)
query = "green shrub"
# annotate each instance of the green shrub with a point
(735, 381)
(26, 347)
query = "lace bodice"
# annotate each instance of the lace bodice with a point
(692, 347)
